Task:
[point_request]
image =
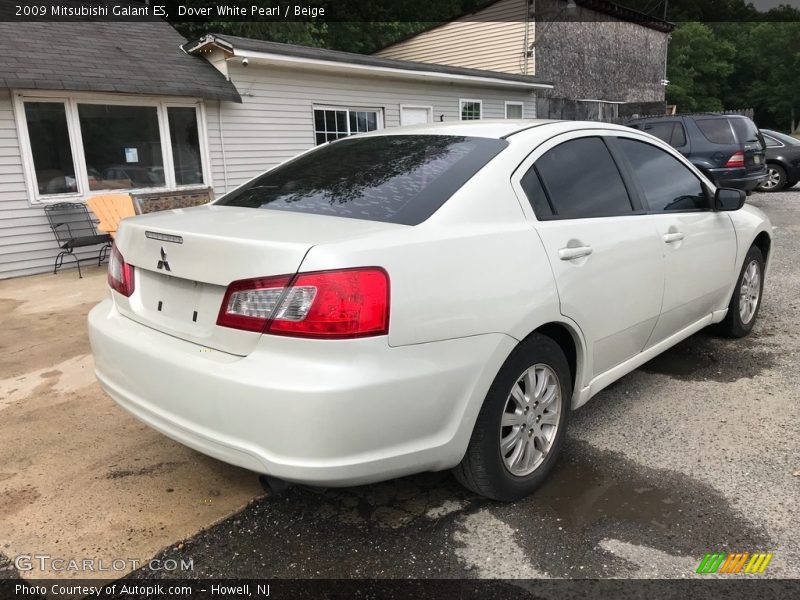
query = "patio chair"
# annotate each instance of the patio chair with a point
(73, 227)
(110, 209)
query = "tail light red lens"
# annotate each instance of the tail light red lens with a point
(339, 304)
(737, 160)
(120, 274)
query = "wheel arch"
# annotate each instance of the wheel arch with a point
(763, 241)
(570, 340)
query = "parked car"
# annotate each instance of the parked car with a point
(783, 161)
(728, 149)
(432, 298)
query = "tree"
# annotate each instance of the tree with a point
(697, 67)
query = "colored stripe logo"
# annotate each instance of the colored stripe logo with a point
(734, 562)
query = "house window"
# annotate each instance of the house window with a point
(50, 148)
(333, 123)
(79, 145)
(121, 146)
(513, 110)
(470, 110)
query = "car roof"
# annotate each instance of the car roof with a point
(490, 128)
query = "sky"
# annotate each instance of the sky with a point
(767, 4)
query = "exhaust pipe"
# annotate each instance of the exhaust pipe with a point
(273, 486)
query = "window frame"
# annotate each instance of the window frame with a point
(778, 143)
(71, 102)
(348, 109)
(462, 101)
(514, 103)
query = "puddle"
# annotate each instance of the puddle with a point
(703, 357)
(593, 495)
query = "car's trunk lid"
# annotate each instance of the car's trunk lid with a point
(185, 259)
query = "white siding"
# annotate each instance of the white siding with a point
(492, 39)
(275, 120)
(27, 245)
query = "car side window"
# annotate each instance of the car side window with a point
(771, 142)
(582, 180)
(667, 183)
(716, 131)
(678, 135)
(532, 186)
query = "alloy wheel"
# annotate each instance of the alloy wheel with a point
(530, 420)
(749, 292)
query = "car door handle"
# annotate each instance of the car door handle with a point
(572, 253)
(673, 236)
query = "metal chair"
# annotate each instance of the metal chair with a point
(73, 227)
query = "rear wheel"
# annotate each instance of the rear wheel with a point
(520, 429)
(746, 300)
(775, 181)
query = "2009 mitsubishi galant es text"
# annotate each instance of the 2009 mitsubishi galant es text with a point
(422, 299)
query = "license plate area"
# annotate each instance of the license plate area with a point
(176, 304)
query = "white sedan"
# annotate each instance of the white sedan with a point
(422, 299)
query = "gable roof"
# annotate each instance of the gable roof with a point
(320, 57)
(105, 56)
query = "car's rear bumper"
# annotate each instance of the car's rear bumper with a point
(319, 412)
(738, 178)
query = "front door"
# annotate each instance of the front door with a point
(699, 244)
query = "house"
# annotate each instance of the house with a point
(605, 61)
(88, 107)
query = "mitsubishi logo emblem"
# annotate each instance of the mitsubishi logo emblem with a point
(163, 263)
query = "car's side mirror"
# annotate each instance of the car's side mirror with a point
(729, 199)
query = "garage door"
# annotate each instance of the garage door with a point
(415, 115)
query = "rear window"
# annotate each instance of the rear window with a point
(716, 131)
(400, 179)
(745, 130)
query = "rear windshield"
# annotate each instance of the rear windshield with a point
(400, 179)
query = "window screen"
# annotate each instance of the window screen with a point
(667, 183)
(394, 178)
(513, 111)
(582, 180)
(716, 131)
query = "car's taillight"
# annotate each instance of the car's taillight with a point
(344, 303)
(737, 160)
(120, 273)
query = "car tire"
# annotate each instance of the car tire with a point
(490, 471)
(776, 179)
(739, 321)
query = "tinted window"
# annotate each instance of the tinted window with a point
(533, 189)
(582, 180)
(662, 131)
(395, 178)
(678, 135)
(745, 130)
(786, 139)
(772, 142)
(716, 131)
(667, 183)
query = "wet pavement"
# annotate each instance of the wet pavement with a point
(698, 451)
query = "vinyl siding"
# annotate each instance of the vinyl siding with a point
(275, 120)
(27, 245)
(492, 39)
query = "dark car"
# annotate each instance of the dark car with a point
(783, 161)
(729, 149)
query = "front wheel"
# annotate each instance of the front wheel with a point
(746, 300)
(520, 429)
(775, 181)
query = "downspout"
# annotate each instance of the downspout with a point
(222, 146)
